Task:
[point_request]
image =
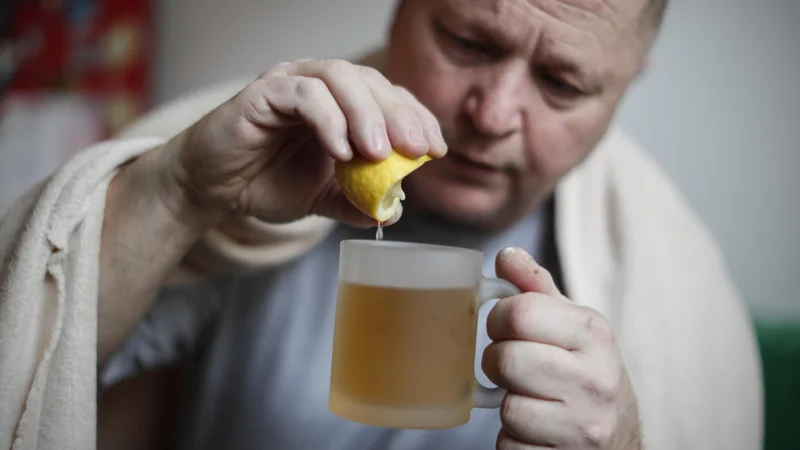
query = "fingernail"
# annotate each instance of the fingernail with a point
(344, 150)
(507, 252)
(516, 252)
(417, 138)
(439, 141)
(380, 142)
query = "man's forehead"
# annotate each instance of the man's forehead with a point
(572, 21)
(579, 32)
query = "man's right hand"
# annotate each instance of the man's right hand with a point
(269, 151)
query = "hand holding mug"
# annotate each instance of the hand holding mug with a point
(566, 381)
(405, 334)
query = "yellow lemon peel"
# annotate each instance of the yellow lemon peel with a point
(375, 187)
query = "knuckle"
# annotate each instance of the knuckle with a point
(371, 73)
(505, 361)
(431, 120)
(594, 434)
(547, 365)
(411, 101)
(404, 93)
(545, 277)
(597, 327)
(417, 106)
(308, 88)
(252, 96)
(427, 119)
(504, 442)
(401, 112)
(330, 120)
(252, 103)
(274, 70)
(255, 106)
(602, 390)
(510, 411)
(337, 68)
(521, 311)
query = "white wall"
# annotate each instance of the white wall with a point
(721, 111)
(720, 108)
(204, 41)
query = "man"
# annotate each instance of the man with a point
(511, 97)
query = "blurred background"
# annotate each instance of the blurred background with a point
(720, 108)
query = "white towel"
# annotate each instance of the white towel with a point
(49, 247)
(49, 277)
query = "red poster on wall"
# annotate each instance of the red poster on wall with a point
(99, 49)
(72, 72)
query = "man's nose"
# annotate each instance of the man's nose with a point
(496, 103)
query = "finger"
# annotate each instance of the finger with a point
(506, 442)
(430, 124)
(401, 107)
(539, 318)
(528, 368)
(365, 118)
(307, 98)
(535, 422)
(517, 266)
(403, 124)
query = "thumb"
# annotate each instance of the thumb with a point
(517, 266)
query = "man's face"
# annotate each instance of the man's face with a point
(523, 90)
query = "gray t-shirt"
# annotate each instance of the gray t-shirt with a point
(258, 349)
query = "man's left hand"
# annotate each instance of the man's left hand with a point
(560, 363)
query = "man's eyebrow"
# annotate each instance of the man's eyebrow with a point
(477, 25)
(560, 62)
(562, 56)
(551, 51)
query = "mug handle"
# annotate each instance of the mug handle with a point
(491, 288)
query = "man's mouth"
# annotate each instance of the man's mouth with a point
(473, 162)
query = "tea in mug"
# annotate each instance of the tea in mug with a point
(401, 350)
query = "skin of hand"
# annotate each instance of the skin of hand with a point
(269, 151)
(559, 361)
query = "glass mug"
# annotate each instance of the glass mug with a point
(405, 334)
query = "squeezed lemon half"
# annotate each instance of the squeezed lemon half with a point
(375, 187)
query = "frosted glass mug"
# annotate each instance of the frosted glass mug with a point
(405, 334)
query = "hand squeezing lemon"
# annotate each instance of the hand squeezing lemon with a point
(374, 187)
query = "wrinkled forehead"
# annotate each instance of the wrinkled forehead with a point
(583, 31)
(603, 17)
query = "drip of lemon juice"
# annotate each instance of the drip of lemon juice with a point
(379, 232)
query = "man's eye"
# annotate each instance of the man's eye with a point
(468, 50)
(558, 85)
(469, 45)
